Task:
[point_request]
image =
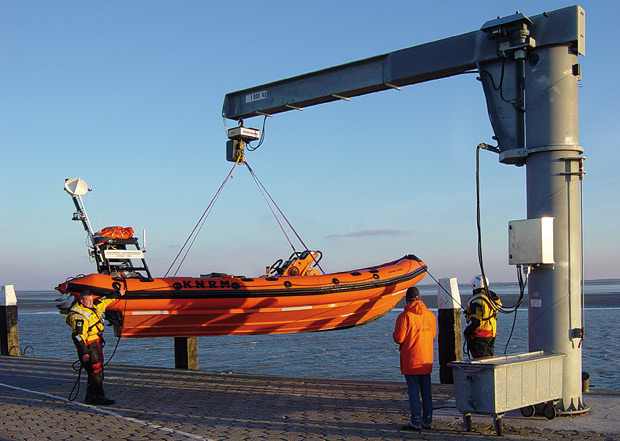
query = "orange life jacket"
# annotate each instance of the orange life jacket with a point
(116, 232)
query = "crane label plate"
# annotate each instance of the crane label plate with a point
(256, 96)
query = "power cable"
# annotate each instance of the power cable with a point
(478, 226)
(499, 308)
(522, 285)
(76, 385)
(251, 148)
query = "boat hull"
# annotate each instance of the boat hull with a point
(229, 305)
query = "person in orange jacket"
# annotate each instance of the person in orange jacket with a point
(415, 330)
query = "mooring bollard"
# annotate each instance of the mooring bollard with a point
(585, 382)
(186, 353)
(9, 334)
(450, 338)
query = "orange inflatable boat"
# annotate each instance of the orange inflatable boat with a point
(293, 296)
(226, 305)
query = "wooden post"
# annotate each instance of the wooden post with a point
(9, 333)
(450, 334)
(186, 353)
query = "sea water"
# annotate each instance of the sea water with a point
(362, 353)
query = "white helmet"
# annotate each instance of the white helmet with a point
(477, 282)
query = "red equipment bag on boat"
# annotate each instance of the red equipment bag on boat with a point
(116, 232)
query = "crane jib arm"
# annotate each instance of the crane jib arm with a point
(438, 59)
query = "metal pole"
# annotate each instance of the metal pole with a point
(82, 216)
(9, 331)
(450, 340)
(553, 190)
(186, 353)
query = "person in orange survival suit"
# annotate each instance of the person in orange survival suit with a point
(86, 322)
(415, 330)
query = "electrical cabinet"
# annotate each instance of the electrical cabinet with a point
(530, 241)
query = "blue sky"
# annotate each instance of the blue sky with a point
(128, 96)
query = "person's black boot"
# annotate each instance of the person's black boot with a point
(102, 400)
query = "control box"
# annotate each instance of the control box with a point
(234, 150)
(530, 241)
(245, 134)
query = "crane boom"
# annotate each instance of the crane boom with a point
(429, 61)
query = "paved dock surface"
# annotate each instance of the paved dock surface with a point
(170, 404)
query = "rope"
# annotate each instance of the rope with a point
(264, 192)
(444, 289)
(271, 203)
(194, 234)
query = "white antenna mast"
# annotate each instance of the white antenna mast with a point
(76, 188)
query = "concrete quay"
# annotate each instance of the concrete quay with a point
(170, 404)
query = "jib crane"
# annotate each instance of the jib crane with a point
(529, 71)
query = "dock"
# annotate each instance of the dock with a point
(172, 404)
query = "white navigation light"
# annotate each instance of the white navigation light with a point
(76, 187)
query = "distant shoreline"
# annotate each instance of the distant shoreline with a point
(51, 292)
(609, 300)
(587, 282)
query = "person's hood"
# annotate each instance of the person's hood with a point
(417, 307)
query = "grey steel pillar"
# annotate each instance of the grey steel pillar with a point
(553, 164)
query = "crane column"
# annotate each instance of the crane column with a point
(553, 190)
